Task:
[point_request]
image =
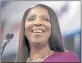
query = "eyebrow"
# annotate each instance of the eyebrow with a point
(44, 16)
(33, 15)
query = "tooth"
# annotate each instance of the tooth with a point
(37, 31)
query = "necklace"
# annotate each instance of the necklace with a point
(40, 59)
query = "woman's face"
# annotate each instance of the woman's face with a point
(38, 26)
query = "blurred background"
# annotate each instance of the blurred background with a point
(68, 13)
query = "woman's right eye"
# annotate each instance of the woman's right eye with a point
(31, 18)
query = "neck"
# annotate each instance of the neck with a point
(39, 51)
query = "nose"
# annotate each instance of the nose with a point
(37, 23)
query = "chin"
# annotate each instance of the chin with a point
(37, 41)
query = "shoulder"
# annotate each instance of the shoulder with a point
(68, 56)
(63, 57)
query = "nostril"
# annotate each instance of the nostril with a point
(37, 24)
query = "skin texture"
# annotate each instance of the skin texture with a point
(38, 31)
(38, 19)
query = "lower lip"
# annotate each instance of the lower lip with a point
(37, 33)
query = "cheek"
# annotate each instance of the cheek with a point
(28, 27)
(48, 27)
(47, 33)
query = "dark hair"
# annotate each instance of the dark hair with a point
(55, 40)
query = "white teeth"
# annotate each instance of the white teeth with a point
(37, 31)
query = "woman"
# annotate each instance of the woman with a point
(40, 39)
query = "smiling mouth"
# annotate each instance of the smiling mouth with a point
(37, 31)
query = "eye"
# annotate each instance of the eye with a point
(45, 19)
(32, 18)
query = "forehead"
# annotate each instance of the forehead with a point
(38, 11)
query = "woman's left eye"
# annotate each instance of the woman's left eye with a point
(45, 19)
